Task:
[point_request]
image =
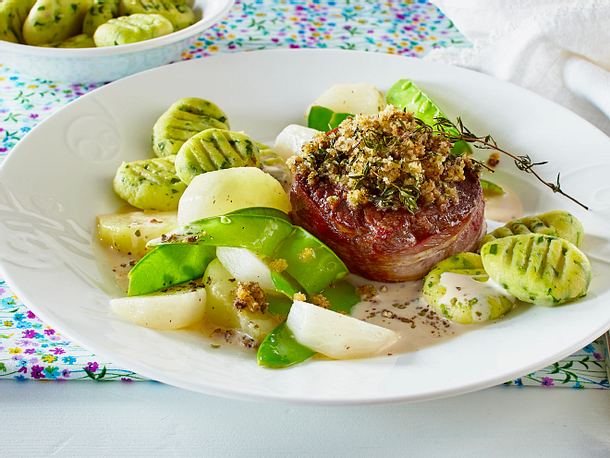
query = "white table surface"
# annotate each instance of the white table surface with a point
(145, 419)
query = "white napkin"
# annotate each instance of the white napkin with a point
(557, 48)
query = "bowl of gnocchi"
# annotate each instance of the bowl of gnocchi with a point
(96, 41)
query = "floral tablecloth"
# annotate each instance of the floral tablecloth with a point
(31, 350)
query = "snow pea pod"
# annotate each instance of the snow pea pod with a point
(169, 265)
(285, 284)
(257, 229)
(280, 349)
(406, 95)
(325, 119)
(309, 261)
(491, 189)
(341, 297)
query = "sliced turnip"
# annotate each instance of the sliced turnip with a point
(223, 191)
(178, 307)
(245, 266)
(291, 139)
(354, 98)
(336, 335)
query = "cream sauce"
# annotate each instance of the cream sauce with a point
(114, 265)
(465, 288)
(400, 307)
(505, 207)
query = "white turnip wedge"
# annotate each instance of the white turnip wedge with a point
(336, 335)
(175, 308)
(354, 98)
(290, 140)
(245, 266)
(223, 191)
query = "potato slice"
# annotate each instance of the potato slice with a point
(220, 286)
(129, 232)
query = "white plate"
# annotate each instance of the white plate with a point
(59, 178)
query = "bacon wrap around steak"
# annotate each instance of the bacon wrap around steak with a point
(391, 245)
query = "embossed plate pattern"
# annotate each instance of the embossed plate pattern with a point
(60, 178)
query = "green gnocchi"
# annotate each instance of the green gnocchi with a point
(131, 29)
(458, 289)
(556, 223)
(182, 120)
(177, 11)
(52, 21)
(78, 41)
(538, 268)
(100, 12)
(215, 149)
(149, 184)
(12, 16)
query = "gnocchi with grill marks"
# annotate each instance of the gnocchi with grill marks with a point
(149, 184)
(182, 120)
(215, 149)
(538, 268)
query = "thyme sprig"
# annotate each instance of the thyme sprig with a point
(458, 131)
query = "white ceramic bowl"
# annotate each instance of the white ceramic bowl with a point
(98, 65)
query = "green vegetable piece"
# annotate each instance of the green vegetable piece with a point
(183, 119)
(169, 265)
(12, 17)
(311, 265)
(465, 297)
(285, 284)
(149, 184)
(100, 12)
(280, 349)
(257, 229)
(557, 223)
(404, 94)
(52, 21)
(325, 119)
(215, 149)
(279, 305)
(309, 261)
(537, 268)
(132, 29)
(176, 11)
(342, 296)
(491, 189)
(78, 41)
